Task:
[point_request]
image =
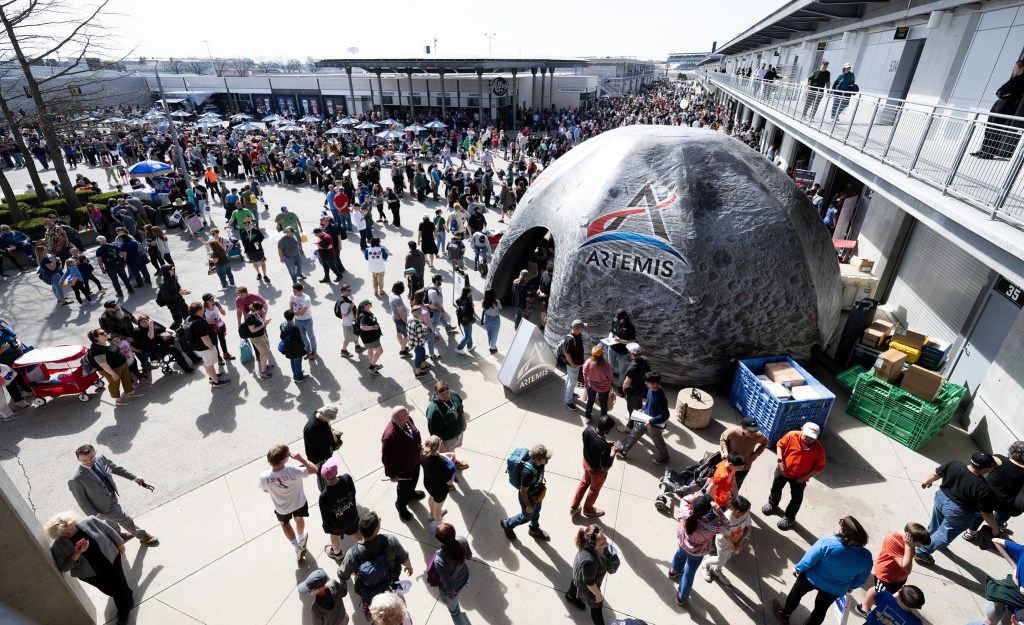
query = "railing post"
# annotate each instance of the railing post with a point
(853, 118)
(892, 133)
(1011, 177)
(871, 124)
(961, 150)
(920, 144)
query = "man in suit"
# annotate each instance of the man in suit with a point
(92, 484)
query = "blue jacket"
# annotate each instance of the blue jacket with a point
(834, 568)
(657, 407)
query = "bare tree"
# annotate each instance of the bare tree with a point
(175, 66)
(197, 66)
(15, 122)
(39, 29)
(311, 66)
(293, 66)
(242, 65)
(267, 66)
(9, 197)
(219, 65)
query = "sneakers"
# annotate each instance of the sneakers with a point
(709, 575)
(337, 557)
(673, 574)
(662, 461)
(575, 511)
(571, 406)
(924, 558)
(722, 579)
(360, 349)
(346, 353)
(220, 382)
(300, 552)
(403, 513)
(777, 611)
(510, 533)
(418, 495)
(461, 465)
(302, 379)
(576, 601)
(770, 509)
(593, 512)
(970, 536)
(435, 357)
(784, 523)
(373, 370)
(860, 610)
(539, 533)
(680, 601)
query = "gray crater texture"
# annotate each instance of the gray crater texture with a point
(714, 251)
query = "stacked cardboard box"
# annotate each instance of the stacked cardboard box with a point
(910, 343)
(877, 334)
(889, 365)
(783, 373)
(922, 383)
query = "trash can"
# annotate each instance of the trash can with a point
(861, 316)
(165, 213)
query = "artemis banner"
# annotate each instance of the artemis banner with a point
(528, 360)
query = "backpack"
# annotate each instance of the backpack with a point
(455, 250)
(183, 335)
(88, 364)
(433, 577)
(243, 330)
(514, 464)
(560, 350)
(337, 307)
(464, 311)
(453, 226)
(373, 574)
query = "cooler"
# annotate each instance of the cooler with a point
(856, 284)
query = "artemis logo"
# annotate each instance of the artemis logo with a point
(534, 367)
(622, 225)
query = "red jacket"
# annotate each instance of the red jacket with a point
(400, 453)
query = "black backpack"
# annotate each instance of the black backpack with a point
(560, 350)
(464, 311)
(183, 336)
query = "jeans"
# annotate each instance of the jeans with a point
(305, 327)
(571, 373)
(822, 602)
(294, 266)
(519, 317)
(329, 265)
(591, 396)
(687, 565)
(452, 603)
(491, 324)
(439, 238)
(479, 253)
(364, 238)
(431, 341)
(467, 336)
(56, 287)
(346, 221)
(1002, 518)
(592, 480)
(796, 493)
(226, 276)
(657, 437)
(948, 520)
(523, 517)
(140, 273)
(619, 363)
(419, 356)
(297, 368)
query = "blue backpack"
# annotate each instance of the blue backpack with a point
(373, 574)
(514, 465)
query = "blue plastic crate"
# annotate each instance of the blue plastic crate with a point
(775, 416)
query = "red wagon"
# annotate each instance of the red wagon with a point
(56, 371)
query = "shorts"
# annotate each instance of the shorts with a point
(454, 443)
(892, 587)
(401, 327)
(257, 256)
(301, 512)
(209, 357)
(349, 333)
(372, 344)
(336, 531)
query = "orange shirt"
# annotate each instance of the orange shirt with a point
(887, 565)
(797, 458)
(211, 176)
(722, 480)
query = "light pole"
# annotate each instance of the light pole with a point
(170, 126)
(489, 36)
(210, 55)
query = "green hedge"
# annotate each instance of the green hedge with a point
(35, 213)
(59, 206)
(83, 196)
(34, 227)
(28, 199)
(98, 198)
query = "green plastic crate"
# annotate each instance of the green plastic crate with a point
(849, 377)
(898, 414)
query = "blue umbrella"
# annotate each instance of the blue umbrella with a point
(148, 168)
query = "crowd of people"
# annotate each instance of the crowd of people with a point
(459, 171)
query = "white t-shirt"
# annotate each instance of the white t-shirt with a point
(434, 297)
(213, 316)
(358, 221)
(348, 317)
(375, 259)
(301, 301)
(285, 488)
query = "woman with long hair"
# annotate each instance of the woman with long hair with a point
(437, 476)
(833, 566)
(213, 312)
(449, 563)
(490, 317)
(701, 520)
(595, 557)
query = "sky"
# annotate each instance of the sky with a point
(260, 29)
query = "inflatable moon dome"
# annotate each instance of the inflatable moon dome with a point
(714, 251)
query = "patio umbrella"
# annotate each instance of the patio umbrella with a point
(437, 124)
(181, 114)
(162, 126)
(415, 128)
(246, 127)
(390, 122)
(208, 124)
(148, 168)
(366, 126)
(338, 131)
(241, 116)
(272, 118)
(291, 128)
(390, 135)
(137, 122)
(308, 119)
(114, 120)
(153, 115)
(349, 121)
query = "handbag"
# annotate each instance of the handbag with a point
(842, 608)
(245, 352)
(612, 396)
(304, 239)
(336, 435)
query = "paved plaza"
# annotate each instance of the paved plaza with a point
(222, 559)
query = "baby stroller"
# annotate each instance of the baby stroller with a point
(685, 482)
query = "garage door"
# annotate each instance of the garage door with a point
(936, 285)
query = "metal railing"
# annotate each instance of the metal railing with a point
(957, 151)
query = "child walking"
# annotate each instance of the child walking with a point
(730, 542)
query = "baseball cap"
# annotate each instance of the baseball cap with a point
(364, 303)
(289, 229)
(316, 580)
(208, 297)
(410, 271)
(284, 208)
(845, 65)
(597, 351)
(750, 424)
(329, 412)
(634, 348)
(540, 450)
(811, 429)
(330, 469)
(578, 323)
(982, 460)
(110, 303)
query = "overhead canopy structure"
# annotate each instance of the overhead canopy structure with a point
(452, 65)
(796, 18)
